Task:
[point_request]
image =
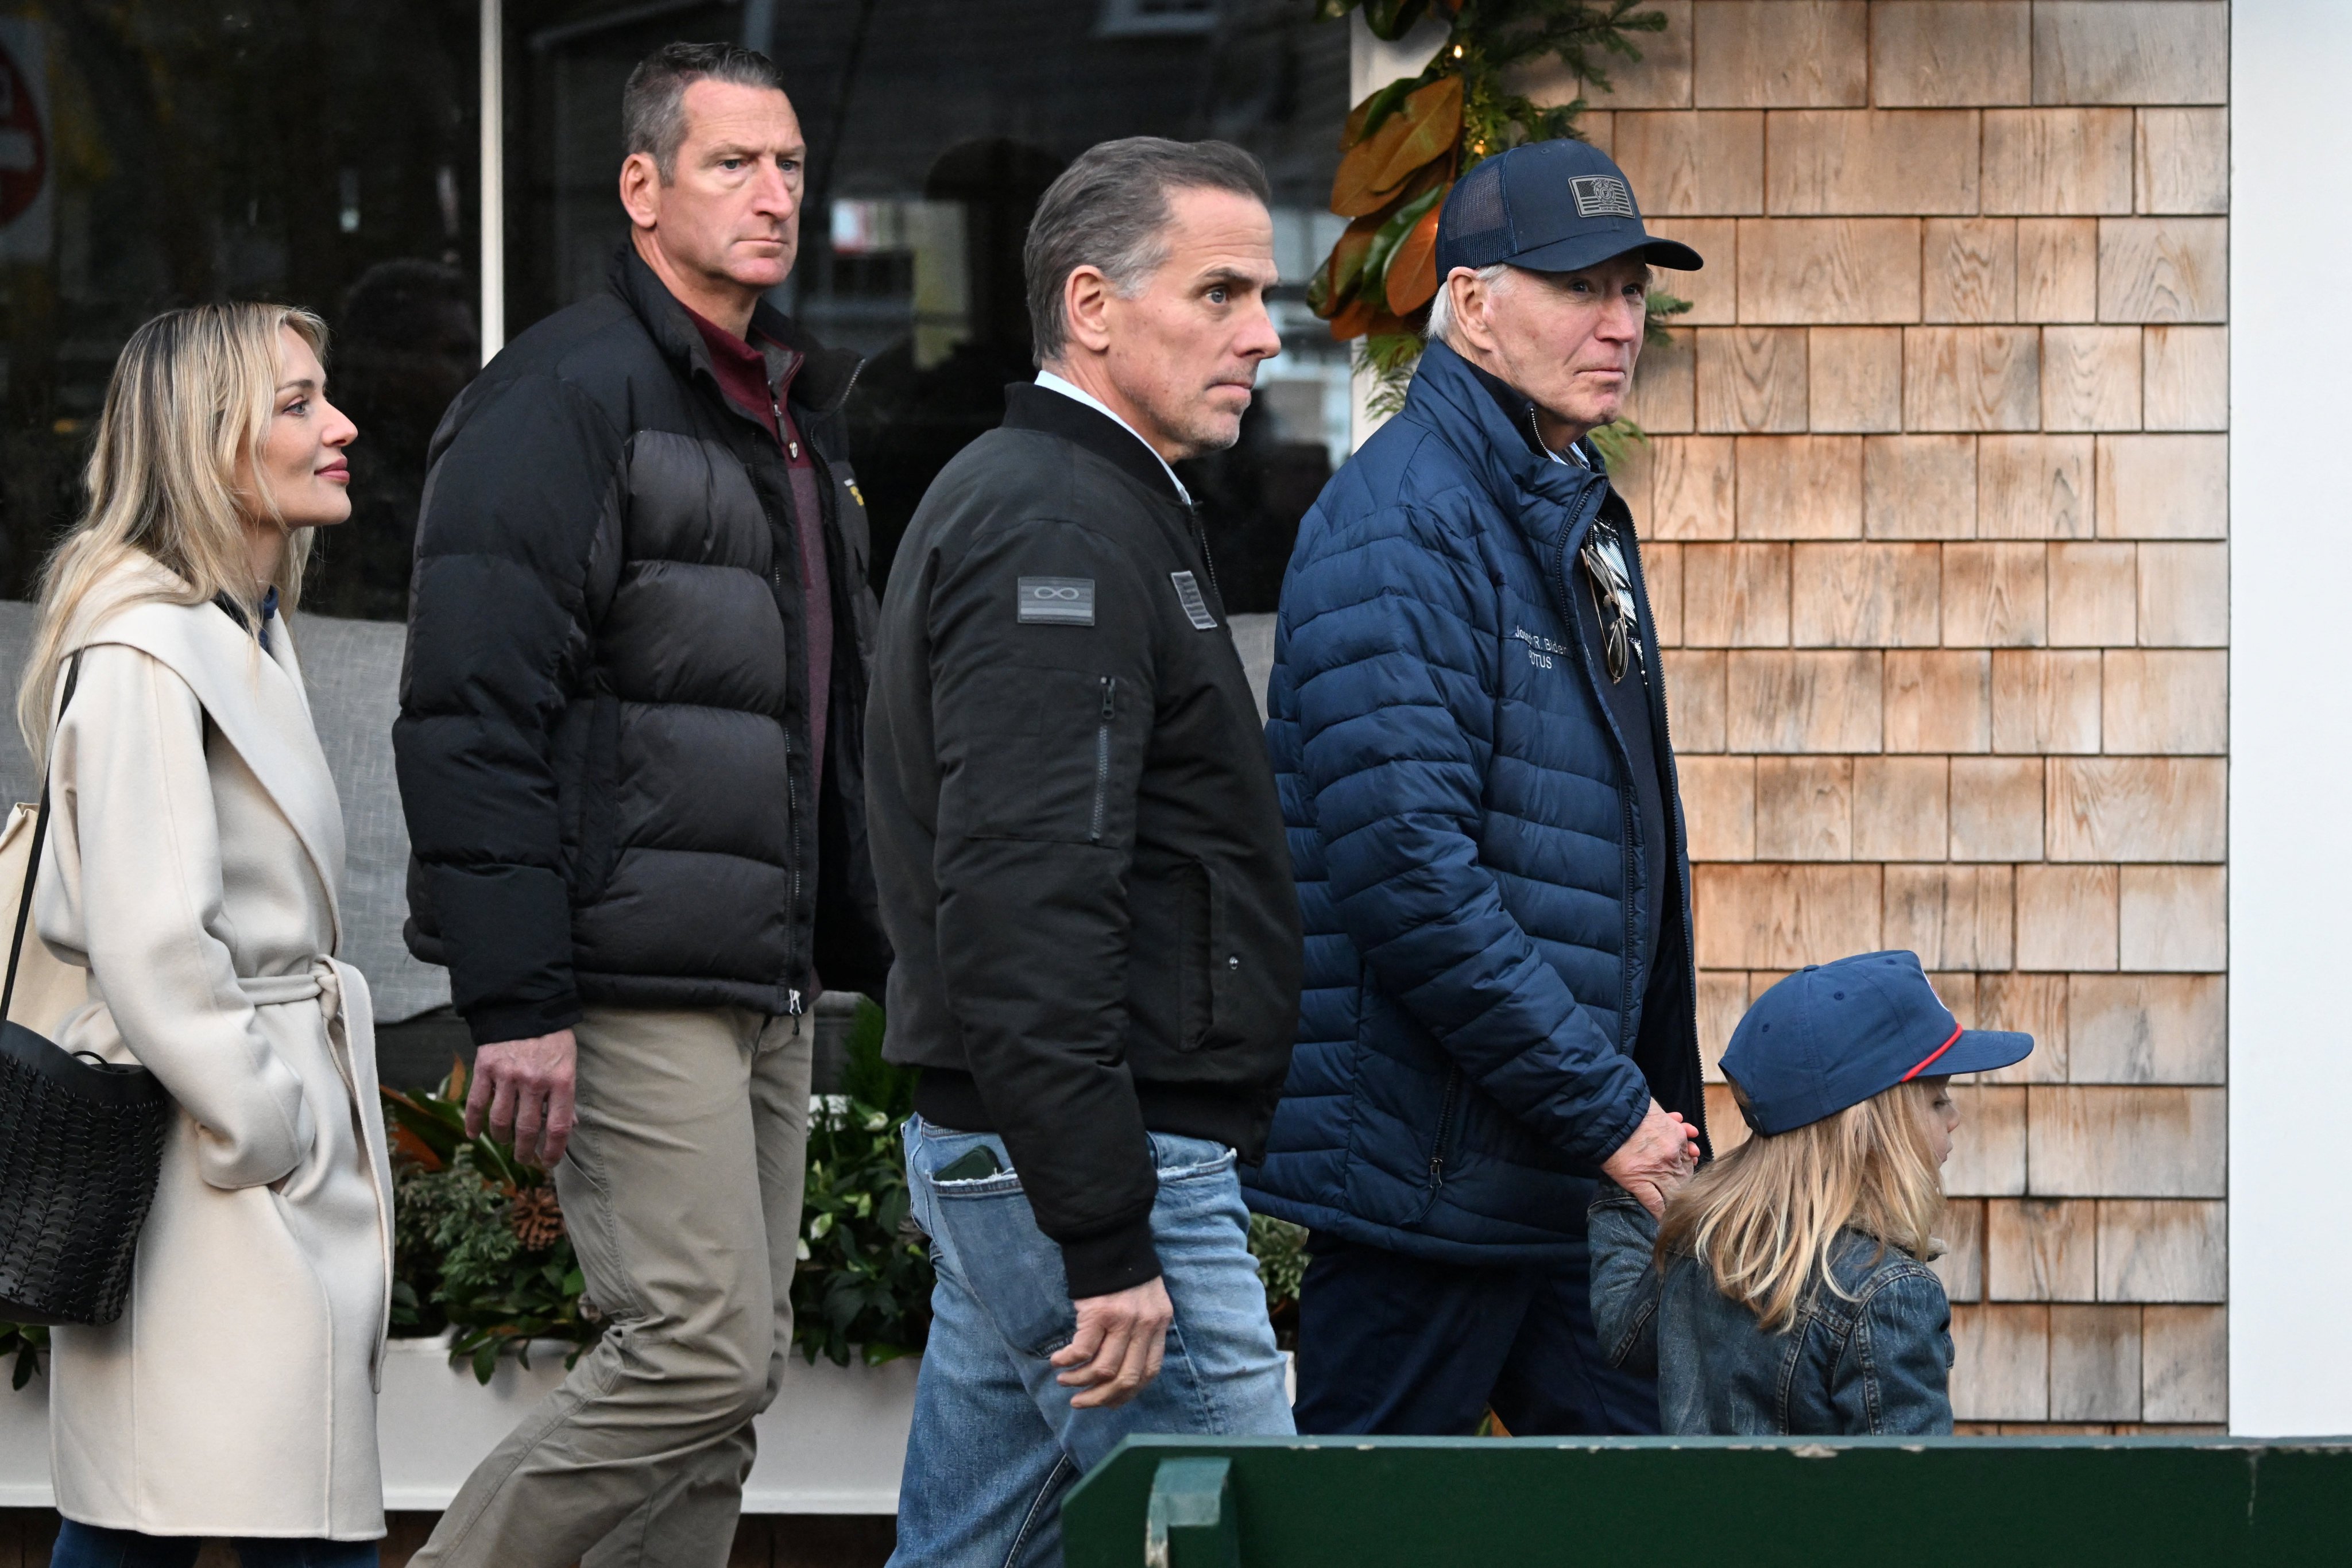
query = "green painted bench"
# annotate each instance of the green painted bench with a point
(1982, 1503)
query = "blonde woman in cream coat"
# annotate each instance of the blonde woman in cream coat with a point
(193, 867)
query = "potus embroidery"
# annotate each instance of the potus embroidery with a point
(1543, 654)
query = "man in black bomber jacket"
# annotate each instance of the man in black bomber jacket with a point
(629, 747)
(1082, 869)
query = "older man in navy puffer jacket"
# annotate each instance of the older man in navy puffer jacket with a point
(1468, 720)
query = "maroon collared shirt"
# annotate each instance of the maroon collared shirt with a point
(742, 373)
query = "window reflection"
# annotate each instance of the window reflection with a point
(955, 330)
(289, 150)
(405, 344)
(154, 152)
(933, 126)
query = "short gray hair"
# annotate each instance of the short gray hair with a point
(653, 106)
(1440, 308)
(1109, 210)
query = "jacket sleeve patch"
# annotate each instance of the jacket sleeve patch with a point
(1196, 609)
(1055, 600)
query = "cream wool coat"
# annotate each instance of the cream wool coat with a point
(193, 867)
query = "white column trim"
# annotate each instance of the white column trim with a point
(2290, 719)
(493, 178)
(1373, 64)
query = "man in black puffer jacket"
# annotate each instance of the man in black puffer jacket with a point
(630, 754)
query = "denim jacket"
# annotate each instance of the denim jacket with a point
(1877, 1360)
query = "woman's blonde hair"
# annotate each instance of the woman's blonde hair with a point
(173, 476)
(1763, 1219)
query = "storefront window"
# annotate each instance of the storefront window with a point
(154, 154)
(325, 152)
(933, 126)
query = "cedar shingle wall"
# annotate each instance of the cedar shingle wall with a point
(1937, 509)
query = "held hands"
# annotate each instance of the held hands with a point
(525, 1088)
(1658, 1157)
(1117, 1349)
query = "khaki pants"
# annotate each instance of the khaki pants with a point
(681, 1190)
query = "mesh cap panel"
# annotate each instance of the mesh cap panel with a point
(1478, 210)
(1476, 228)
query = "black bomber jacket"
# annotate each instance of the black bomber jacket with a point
(1077, 840)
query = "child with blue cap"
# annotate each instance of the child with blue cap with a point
(1786, 1290)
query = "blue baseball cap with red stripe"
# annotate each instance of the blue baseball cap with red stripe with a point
(1832, 1035)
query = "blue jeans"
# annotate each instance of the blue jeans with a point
(93, 1546)
(995, 1442)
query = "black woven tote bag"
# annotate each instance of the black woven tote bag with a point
(81, 1142)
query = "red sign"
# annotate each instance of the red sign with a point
(24, 149)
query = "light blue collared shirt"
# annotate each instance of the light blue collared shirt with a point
(1052, 383)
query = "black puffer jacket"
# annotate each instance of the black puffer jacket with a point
(1075, 830)
(603, 740)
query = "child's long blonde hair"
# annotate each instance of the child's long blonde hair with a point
(187, 410)
(1763, 1219)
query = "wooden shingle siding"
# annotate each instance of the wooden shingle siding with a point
(2152, 1251)
(2057, 160)
(2165, 701)
(1825, 271)
(1820, 161)
(2131, 51)
(2033, 487)
(2095, 1364)
(1939, 511)
(1970, 270)
(2185, 1363)
(2186, 378)
(2065, 918)
(1692, 487)
(2057, 269)
(1737, 595)
(1951, 53)
(1780, 53)
(1710, 163)
(1854, 378)
(1805, 807)
(2045, 703)
(1751, 379)
(2147, 1028)
(1996, 813)
(2040, 1249)
(2164, 269)
(2181, 161)
(1995, 595)
(2090, 378)
(1919, 488)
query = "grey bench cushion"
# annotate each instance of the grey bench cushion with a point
(354, 670)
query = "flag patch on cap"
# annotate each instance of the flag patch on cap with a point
(1600, 197)
(1057, 601)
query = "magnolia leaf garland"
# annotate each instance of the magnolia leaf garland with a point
(1405, 145)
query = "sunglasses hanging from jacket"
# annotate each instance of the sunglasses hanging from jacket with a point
(1603, 559)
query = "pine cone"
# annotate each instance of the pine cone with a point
(536, 1218)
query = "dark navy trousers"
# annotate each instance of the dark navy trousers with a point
(1396, 1345)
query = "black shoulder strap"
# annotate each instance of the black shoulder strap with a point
(33, 865)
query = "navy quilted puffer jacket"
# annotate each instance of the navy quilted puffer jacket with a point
(1473, 1039)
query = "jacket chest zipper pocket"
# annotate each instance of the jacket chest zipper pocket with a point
(1102, 762)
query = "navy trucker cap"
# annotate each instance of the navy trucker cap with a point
(1832, 1035)
(1548, 207)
